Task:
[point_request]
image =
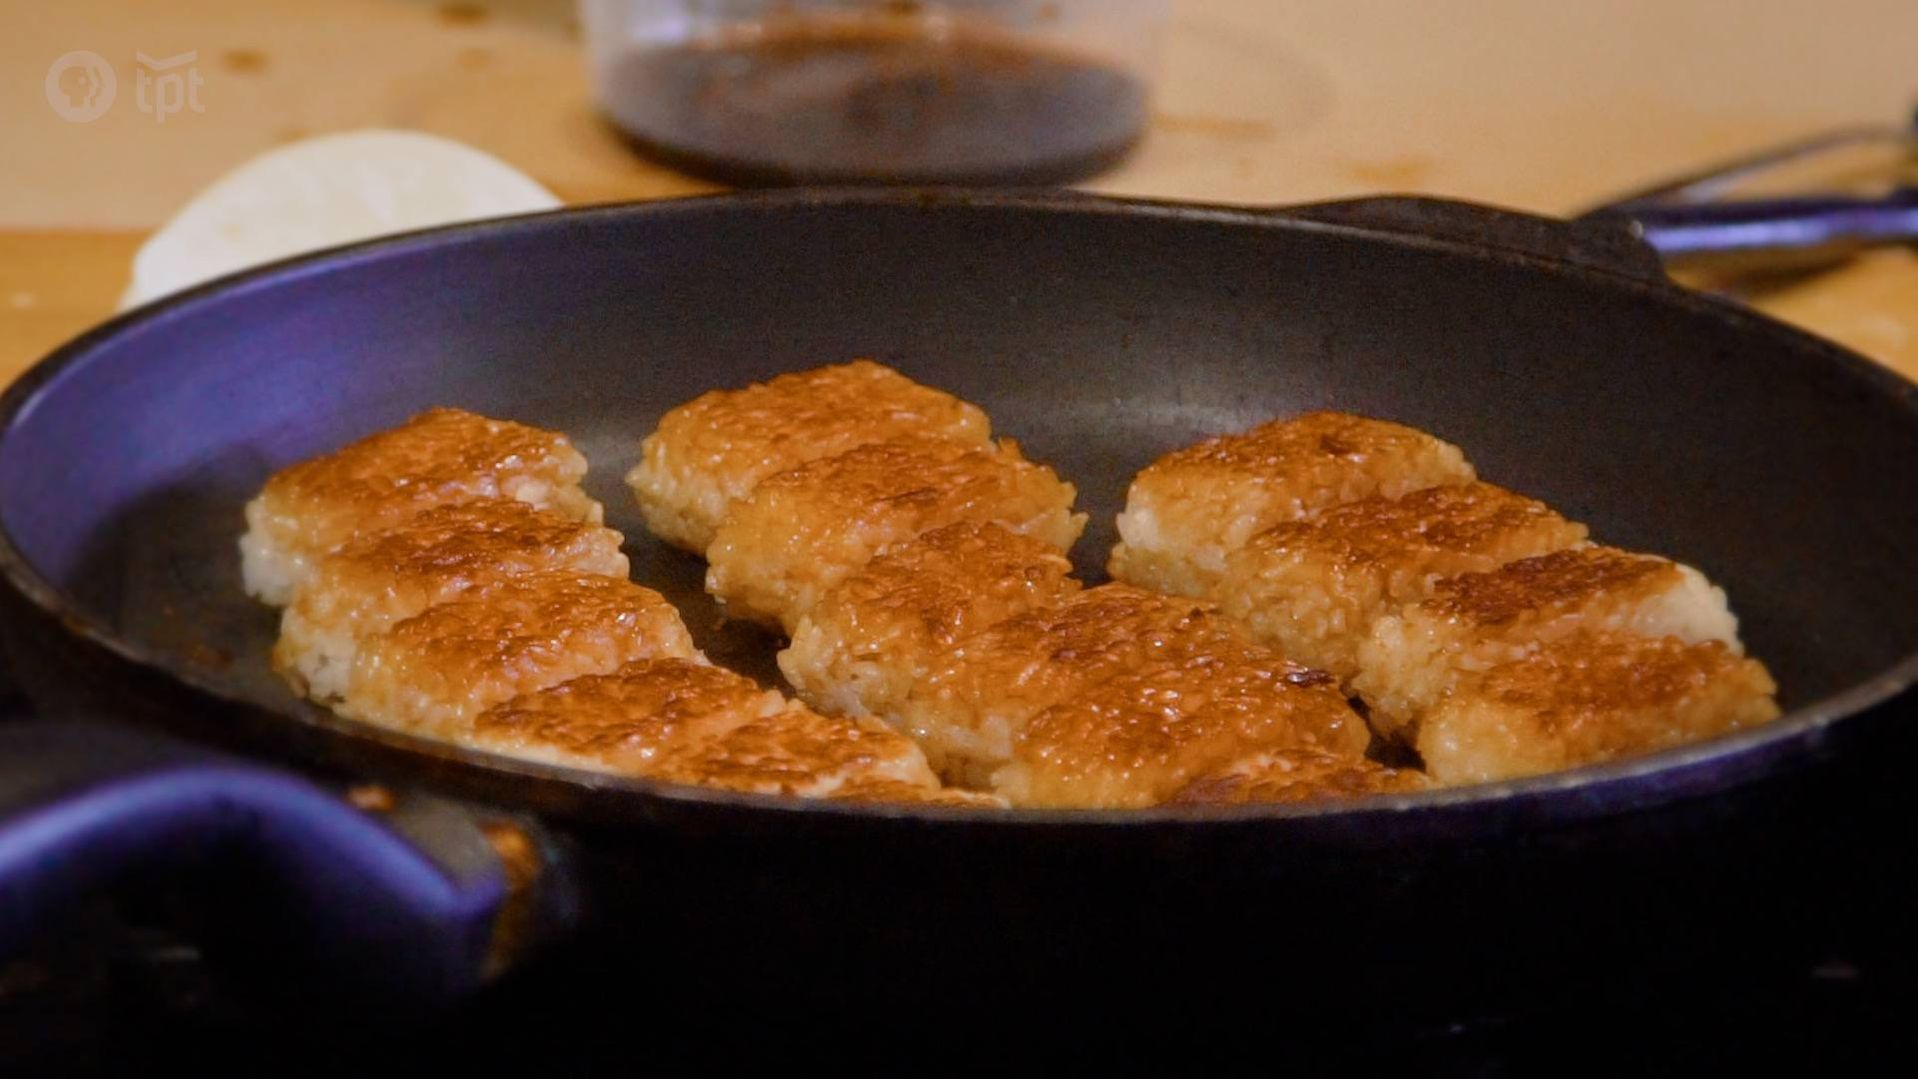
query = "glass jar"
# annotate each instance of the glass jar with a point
(891, 91)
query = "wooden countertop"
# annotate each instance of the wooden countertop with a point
(1544, 107)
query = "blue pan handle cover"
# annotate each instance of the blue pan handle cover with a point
(82, 806)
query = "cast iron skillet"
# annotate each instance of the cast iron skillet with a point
(1100, 333)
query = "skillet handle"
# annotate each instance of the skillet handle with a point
(1595, 243)
(410, 910)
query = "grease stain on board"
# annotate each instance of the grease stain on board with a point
(1410, 170)
(462, 14)
(244, 61)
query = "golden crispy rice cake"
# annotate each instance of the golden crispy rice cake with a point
(1313, 588)
(803, 531)
(434, 672)
(624, 721)
(799, 752)
(1138, 739)
(1191, 508)
(1477, 621)
(680, 721)
(864, 646)
(367, 487)
(713, 450)
(1592, 697)
(967, 708)
(386, 577)
(893, 792)
(1293, 776)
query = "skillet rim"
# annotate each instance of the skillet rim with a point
(1611, 788)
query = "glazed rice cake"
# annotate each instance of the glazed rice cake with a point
(433, 673)
(625, 720)
(893, 792)
(438, 457)
(383, 578)
(799, 752)
(1313, 588)
(1191, 508)
(1295, 776)
(861, 649)
(683, 722)
(1138, 739)
(803, 531)
(712, 451)
(1477, 621)
(1588, 698)
(967, 709)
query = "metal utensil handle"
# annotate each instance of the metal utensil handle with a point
(1713, 182)
(412, 916)
(1770, 233)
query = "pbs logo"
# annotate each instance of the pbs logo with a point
(80, 87)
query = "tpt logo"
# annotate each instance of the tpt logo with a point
(81, 86)
(166, 86)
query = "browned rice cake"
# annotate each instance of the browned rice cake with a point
(861, 649)
(713, 450)
(1588, 698)
(366, 487)
(1191, 508)
(803, 531)
(1313, 588)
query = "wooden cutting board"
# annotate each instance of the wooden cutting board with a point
(1547, 107)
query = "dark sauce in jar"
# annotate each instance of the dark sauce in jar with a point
(874, 100)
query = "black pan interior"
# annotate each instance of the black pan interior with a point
(1098, 334)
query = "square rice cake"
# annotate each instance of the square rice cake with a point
(444, 455)
(712, 451)
(1139, 739)
(1477, 621)
(625, 720)
(803, 531)
(683, 722)
(1313, 588)
(1191, 508)
(1298, 776)
(383, 578)
(1589, 698)
(967, 708)
(801, 753)
(432, 673)
(863, 647)
(883, 792)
